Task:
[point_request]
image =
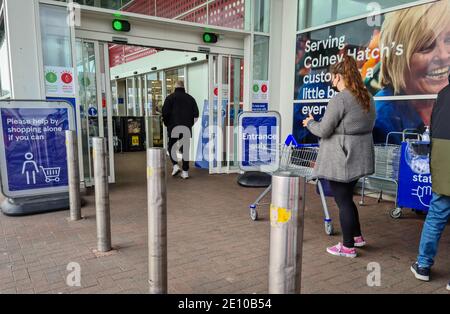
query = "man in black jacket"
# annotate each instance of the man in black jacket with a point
(439, 211)
(180, 112)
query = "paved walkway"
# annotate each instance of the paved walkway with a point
(213, 245)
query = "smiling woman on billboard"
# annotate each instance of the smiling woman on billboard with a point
(423, 69)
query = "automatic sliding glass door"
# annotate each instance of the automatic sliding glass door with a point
(94, 102)
(226, 97)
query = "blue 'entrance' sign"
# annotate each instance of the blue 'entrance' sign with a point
(259, 140)
(33, 151)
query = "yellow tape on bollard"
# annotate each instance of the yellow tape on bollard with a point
(279, 215)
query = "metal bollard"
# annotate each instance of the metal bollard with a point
(157, 220)
(73, 170)
(286, 233)
(101, 195)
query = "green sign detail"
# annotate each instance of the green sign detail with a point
(51, 77)
(256, 88)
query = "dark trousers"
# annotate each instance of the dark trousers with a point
(348, 213)
(172, 142)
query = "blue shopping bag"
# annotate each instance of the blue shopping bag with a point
(326, 188)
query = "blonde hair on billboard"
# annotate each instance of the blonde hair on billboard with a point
(414, 28)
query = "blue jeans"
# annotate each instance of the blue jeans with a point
(435, 222)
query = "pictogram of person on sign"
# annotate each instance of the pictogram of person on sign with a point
(30, 168)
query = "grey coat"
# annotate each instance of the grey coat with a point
(346, 150)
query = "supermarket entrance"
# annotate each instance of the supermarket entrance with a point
(122, 89)
(124, 78)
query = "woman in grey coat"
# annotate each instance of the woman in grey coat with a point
(346, 150)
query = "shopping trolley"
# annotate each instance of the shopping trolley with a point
(387, 163)
(51, 174)
(298, 159)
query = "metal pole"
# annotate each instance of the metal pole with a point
(286, 233)
(101, 195)
(74, 175)
(157, 220)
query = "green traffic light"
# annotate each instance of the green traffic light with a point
(121, 25)
(209, 38)
(117, 25)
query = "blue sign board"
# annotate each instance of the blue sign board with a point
(414, 182)
(258, 107)
(92, 111)
(32, 147)
(259, 140)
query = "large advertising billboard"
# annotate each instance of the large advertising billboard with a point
(402, 53)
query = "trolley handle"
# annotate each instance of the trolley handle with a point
(408, 132)
(307, 145)
(403, 134)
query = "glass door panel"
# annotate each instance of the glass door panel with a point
(140, 90)
(94, 97)
(154, 92)
(131, 96)
(86, 69)
(236, 106)
(106, 105)
(226, 96)
(213, 115)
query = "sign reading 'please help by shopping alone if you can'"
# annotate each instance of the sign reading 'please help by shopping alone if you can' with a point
(33, 155)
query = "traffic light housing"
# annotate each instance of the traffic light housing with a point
(210, 38)
(121, 25)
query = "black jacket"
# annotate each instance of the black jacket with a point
(440, 143)
(179, 108)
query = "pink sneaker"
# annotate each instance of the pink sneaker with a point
(359, 241)
(340, 250)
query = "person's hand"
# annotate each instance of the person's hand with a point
(305, 122)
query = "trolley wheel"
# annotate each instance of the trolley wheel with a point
(47, 180)
(56, 179)
(329, 230)
(253, 214)
(395, 213)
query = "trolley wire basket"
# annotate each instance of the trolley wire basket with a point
(298, 159)
(387, 164)
(387, 160)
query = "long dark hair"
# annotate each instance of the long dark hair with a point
(349, 71)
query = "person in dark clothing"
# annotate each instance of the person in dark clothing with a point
(439, 211)
(180, 113)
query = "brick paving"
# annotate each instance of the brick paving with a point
(213, 245)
